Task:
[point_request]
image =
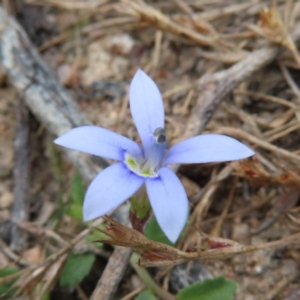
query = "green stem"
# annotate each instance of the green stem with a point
(147, 279)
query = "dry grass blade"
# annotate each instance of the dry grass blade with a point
(121, 235)
(241, 212)
(243, 135)
(273, 28)
(266, 98)
(70, 5)
(221, 12)
(257, 174)
(10, 254)
(283, 203)
(218, 225)
(225, 57)
(48, 270)
(212, 88)
(157, 254)
(161, 21)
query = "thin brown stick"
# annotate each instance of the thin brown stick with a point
(53, 42)
(266, 98)
(20, 207)
(165, 23)
(284, 132)
(158, 254)
(10, 254)
(239, 213)
(240, 134)
(220, 12)
(291, 82)
(133, 293)
(218, 225)
(157, 49)
(70, 5)
(147, 279)
(112, 274)
(279, 286)
(223, 253)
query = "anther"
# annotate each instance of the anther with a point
(160, 135)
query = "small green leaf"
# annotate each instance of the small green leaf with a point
(75, 211)
(145, 295)
(76, 197)
(77, 267)
(5, 286)
(218, 288)
(153, 232)
(77, 189)
(97, 235)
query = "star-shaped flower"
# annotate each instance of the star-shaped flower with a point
(147, 165)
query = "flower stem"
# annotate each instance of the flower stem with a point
(140, 210)
(147, 279)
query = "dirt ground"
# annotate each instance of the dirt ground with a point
(94, 48)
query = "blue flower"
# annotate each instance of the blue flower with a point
(148, 165)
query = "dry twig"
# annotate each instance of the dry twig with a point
(112, 274)
(20, 208)
(47, 99)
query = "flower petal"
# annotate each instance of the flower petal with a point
(108, 190)
(207, 148)
(169, 202)
(99, 141)
(146, 107)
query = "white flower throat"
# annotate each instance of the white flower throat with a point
(151, 164)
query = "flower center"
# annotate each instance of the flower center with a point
(152, 163)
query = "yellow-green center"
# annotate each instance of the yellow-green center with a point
(136, 168)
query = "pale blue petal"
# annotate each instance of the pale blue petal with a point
(109, 189)
(169, 202)
(146, 107)
(207, 148)
(99, 141)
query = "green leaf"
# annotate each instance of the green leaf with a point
(97, 235)
(218, 288)
(153, 232)
(75, 211)
(77, 189)
(145, 295)
(76, 269)
(5, 286)
(76, 197)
